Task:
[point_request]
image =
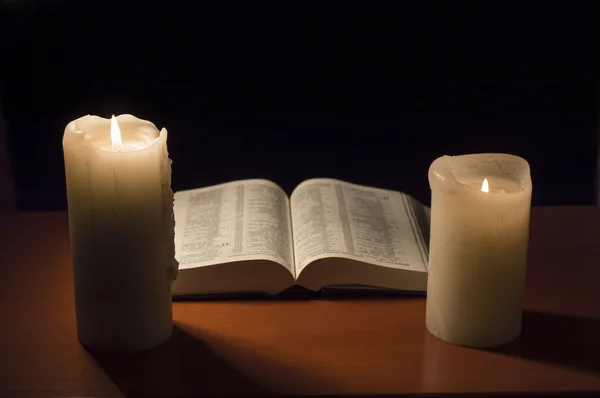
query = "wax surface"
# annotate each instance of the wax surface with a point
(121, 228)
(478, 248)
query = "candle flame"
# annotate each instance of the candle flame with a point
(484, 186)
(115, 134)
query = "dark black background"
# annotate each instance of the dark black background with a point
(368, 92)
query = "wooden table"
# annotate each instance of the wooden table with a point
(376, 346)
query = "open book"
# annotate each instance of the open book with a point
(248, 236)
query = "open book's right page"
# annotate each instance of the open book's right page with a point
(332, 218)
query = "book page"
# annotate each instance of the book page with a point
(236, 221)
(332, 218)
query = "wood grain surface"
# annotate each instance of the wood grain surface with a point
(308, 347)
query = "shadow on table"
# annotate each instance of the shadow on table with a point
(205, 363)
(182, 366)
(558, 339)
(299, 293)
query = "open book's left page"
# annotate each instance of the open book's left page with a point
(232, 222)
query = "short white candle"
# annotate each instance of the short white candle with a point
(121, 229)
(480, 207)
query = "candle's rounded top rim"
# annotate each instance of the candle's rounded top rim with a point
(78, 127)
(445, 169)
(485, 155)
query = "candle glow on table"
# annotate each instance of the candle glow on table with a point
(478, 248)
(120, 203)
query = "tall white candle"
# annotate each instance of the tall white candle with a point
(121, 228)
(480, 208)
